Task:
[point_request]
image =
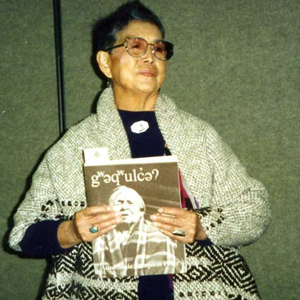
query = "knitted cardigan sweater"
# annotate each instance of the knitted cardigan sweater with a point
(234, 209)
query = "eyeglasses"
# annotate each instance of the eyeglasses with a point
(137, 47)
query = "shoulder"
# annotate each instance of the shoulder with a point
(81, 130)
(74, 140)
(176, 119)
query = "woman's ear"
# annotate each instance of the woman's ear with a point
(103, 60)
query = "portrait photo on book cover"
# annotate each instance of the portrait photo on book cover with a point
(135, 247)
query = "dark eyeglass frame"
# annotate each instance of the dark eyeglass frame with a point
(168, 46)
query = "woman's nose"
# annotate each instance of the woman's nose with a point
(149, 55)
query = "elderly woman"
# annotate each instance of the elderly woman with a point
(223, 208)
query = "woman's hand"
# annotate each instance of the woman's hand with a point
(102, 218)
(170, 220)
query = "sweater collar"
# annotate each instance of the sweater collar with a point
(112, 130)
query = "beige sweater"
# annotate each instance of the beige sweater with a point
(234, 207)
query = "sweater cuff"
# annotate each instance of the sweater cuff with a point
(207, 242)
(40, 239)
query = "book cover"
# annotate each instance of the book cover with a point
(137, 188)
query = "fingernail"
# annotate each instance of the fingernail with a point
(160, 210)
(153, 217)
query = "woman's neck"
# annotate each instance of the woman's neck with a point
(135, 102)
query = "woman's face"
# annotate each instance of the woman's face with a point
(136, 75)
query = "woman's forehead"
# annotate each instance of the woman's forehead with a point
(136, 28)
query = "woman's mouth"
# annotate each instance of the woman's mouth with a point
(147, 73)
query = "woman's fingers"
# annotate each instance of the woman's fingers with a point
(95, 221)
(178, 224)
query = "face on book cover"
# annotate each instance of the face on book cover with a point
(129, 203)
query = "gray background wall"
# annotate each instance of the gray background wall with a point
(236, 66)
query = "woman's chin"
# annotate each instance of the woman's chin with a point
(147, 87)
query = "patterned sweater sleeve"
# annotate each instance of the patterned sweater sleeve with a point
(39, 204)
(239, 212)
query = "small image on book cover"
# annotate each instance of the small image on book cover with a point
(137, 188)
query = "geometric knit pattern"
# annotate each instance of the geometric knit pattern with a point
(225, 275)
(227, 268)
(234, 208)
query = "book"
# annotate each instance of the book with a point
(137, 188)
